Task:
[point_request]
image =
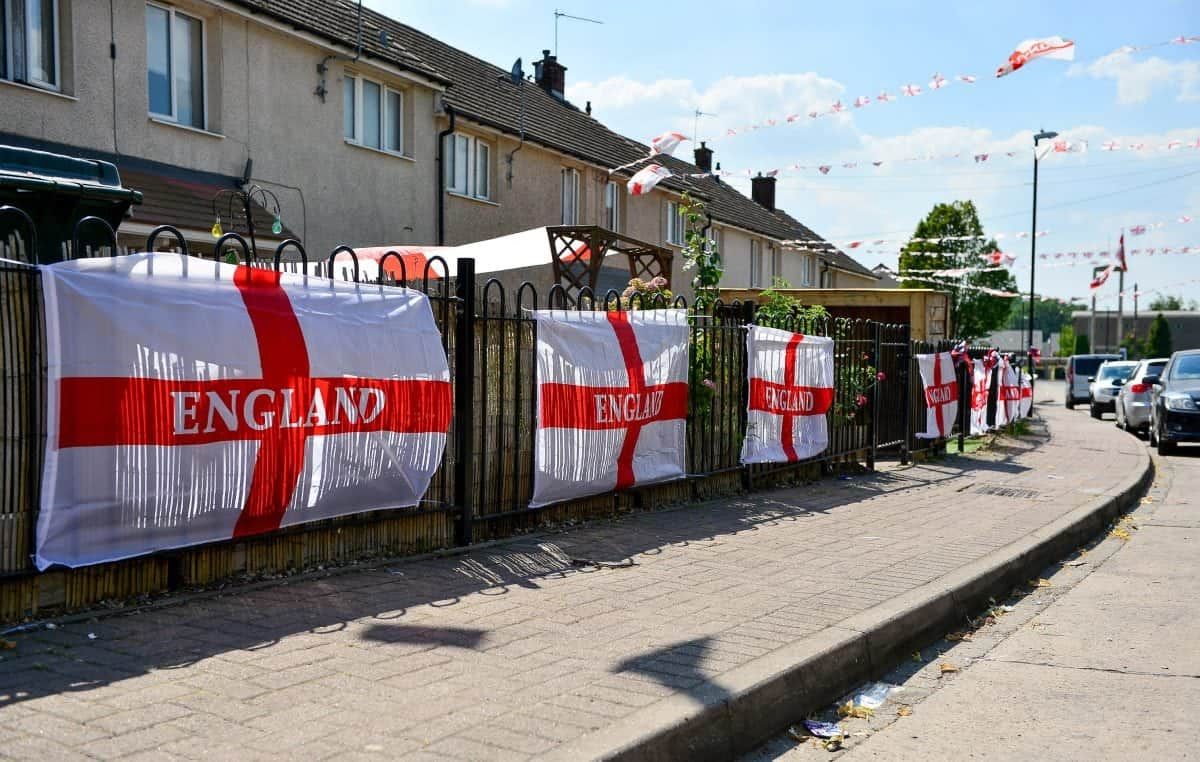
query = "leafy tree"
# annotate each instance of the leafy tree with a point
(1135, 348)
(973, 312)
(1158, 344)
(1164, 303)
(1066, 341)
(1049, 316)
(1082, 345)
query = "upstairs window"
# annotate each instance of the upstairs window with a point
(469, 166)
(612, 207)
(676, 222)
(175, 65)
(776, 263)
(372, 114)
(570, 196)
(755, 265)
(807, 269)
(29, 33)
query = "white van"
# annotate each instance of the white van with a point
(1081, 368)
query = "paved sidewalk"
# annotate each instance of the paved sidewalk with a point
(509, 652)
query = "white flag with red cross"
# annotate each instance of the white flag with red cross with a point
(981, 384)
(612, 401)
(1026, 394)
(190, 401)
(941, 394)
(1008, 401)
(791, 390)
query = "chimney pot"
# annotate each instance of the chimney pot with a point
(762, 190)
(704, 156)
(550, 75)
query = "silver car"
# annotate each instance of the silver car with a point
(1133, 401)
(1103, 387)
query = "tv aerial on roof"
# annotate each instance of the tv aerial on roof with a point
(560, 15)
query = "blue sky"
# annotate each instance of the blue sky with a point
(649, 66)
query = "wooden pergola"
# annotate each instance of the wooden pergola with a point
(578, 253)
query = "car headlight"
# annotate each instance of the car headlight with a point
(1179, 402)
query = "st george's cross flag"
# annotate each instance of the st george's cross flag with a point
(190, 401)
(612, 399)
(941, 394)
(1026, 394)
(1008, 400)
(981, 385)
(791, 390)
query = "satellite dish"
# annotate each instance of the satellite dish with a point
(517, 75)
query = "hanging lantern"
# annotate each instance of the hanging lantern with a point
(277, 225)
(216, 228)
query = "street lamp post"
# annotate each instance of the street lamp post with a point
(1043, 135)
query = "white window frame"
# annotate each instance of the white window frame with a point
(173, 116)
(806, 270)
(612, 206)
(755, 264)
(569, 179)
(776, 262)
(676, 223)
(384, 121)
(470, 182)
(9, 63)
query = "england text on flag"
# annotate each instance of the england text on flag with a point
(941, 394)
(191, 401)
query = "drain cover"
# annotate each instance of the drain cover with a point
(995, 489)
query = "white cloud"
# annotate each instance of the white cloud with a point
(1137, 80)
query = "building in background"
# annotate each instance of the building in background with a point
(1102, 336)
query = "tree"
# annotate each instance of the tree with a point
(1158, 343)
(973, 312)
(1165, 303)
(1049, 315)
(1066, 341)
(1082, 345)
(1135, 348)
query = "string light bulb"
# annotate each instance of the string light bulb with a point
(216, 228)
(277, 225)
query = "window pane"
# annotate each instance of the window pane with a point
(483, 155)
(370, 114)
(158, 59)
(462, 162)
(348, 107)
(42, 51)
(189, 70)
(611, 208)
(395, 121)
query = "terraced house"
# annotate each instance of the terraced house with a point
(367, 131)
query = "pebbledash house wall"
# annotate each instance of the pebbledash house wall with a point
(259, 85)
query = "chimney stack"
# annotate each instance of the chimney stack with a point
(704, 156)
(762, 190)
(551, 76)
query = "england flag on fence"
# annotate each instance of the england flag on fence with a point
(941, 394)
(612, 401)
(1008, 402)
(981, 381)
(791, 390)
(191, 401)
(1026, 394)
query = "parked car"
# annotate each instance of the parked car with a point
(1175, 402)
(1103, 387)
(1133, 402)
(1079, 369)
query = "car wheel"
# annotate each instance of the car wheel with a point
(1150, 435)
(1096, 412)
(1070, 403)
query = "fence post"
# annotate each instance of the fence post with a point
(464, 401)
(964, 404)
(747, 318)
(906, 361)
(876, 357)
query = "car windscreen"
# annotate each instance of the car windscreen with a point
(1087, 366)
(1187, 366)
(1111, 371)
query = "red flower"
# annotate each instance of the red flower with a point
(860, 400)
(880, 376)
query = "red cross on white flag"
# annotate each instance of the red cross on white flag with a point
(981, 385)
(1008, 400)
(612, 401)
(941, 394)
(1026, 394)
(191, 401)
(644, 180)
(791, 390)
